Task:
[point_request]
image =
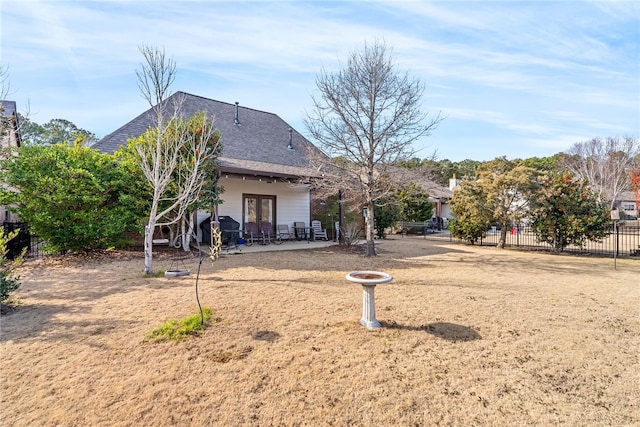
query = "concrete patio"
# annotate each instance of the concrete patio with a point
(288, 245)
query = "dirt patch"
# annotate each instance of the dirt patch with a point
(470, 336)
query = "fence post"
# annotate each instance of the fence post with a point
(615, 249)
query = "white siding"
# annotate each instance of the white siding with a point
(446, 211)
(293, 202)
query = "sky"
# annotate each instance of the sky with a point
(511, 78)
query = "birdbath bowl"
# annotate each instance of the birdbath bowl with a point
(369, 280)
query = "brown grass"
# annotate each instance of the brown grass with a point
(471, 336)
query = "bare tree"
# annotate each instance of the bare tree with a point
(605, 163)
(366, 118)
(4, 81)
(175, 155)
(5, 122)
(5, 91)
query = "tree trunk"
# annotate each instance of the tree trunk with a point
(371, 248)
(191, 231)
(148, 246)
(503, 237)
(185, 233)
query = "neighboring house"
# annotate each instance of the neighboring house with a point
(441, 198)
(9, 138)
(454, 184)
(10, 131)
(626, 202)
(262, 165)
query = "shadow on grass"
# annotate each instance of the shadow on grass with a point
(445, 330)
(264, 335)
(41, 322)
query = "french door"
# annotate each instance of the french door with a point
(259, 208)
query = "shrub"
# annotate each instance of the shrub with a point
(469, 229)
(351, 233)
(568, 212)
(74, 198)
(8, 282)
(385, 216)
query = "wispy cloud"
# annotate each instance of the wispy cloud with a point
(502, 71)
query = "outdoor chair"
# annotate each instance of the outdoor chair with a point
(318, 231)
(283, 232)
(347, 236)
(251, 231)
(266, 231)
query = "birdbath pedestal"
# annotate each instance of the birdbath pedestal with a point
(369, 280)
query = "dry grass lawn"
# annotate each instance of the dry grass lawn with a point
(471, 337)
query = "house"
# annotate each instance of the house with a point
(626, 202)
(10, 129)
(439, 196)
(9, 138)
(441, 199)
(262, 166)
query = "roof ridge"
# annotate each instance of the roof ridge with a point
(223, 102)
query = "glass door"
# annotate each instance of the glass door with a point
(259, 209)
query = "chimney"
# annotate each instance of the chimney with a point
(290, 146)
(236, 120)
(453, 182)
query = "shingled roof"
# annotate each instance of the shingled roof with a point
(258, 145)
(8, 108)
(9, 111)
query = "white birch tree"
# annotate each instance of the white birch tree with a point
(176, 155)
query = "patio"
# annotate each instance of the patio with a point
(289, 245)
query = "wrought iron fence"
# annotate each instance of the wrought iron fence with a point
(36, 248)
(20, 242)
(621, 240)
(25, 240)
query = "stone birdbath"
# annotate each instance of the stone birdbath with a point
(369, 280)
